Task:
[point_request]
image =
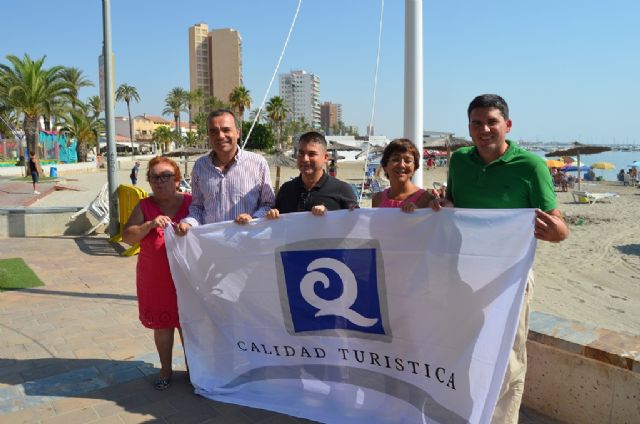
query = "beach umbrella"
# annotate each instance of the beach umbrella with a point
(578, 149)
(634, 164)
(446, 144)
(279, 159)
(555, 163)
(188, 151)
(570, 168)
(603, 165)
(438, 153)
(334, 145)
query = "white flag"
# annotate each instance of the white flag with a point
(369, 316)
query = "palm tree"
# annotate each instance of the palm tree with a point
(200, 121)
(277, 112)
(254, 113)
(297, 127)
(214, 103)
(194, 99)
(29, 88)
(79, 123)
(8, 121)
(76, 81)
(95, 106)
(240, 100)
(127, 93)
(190, 139)
(54, 110)
(175, 103)
(162, 135)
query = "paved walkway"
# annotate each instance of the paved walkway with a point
(73, 351)
(19, 194)
(68, 190)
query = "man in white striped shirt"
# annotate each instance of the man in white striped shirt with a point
(229, 183)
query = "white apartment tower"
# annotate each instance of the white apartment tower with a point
(215, 60)
(301, 93)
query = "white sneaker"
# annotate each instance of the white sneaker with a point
(36, 192)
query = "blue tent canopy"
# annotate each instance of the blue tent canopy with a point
(569, 168)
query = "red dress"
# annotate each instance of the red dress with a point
(157, 301)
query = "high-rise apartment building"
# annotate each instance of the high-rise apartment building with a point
(371, 130)
(301, 92)
(215, 60)
(330, 115)
(199, 72)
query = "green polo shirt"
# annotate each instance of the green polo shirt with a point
(517, 179)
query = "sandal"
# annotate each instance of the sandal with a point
(161, 383)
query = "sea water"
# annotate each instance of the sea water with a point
(620, 159)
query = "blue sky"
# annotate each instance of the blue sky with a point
(569, 69)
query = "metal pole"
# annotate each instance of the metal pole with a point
(112, 158)
(413, 75)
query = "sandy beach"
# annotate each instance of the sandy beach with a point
(592, 277)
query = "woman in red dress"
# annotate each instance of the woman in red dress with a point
(157, 301)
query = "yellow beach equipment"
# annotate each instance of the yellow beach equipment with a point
(603, 165)
(555, 163)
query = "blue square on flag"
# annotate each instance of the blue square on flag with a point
(332, 289)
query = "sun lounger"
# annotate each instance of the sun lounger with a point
(590, 197)
(98, 209)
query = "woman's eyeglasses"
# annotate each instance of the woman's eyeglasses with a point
(162, 178)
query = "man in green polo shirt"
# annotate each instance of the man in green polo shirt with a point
(497, 174)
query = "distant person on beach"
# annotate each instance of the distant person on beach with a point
(157, 300)
(134, 173)
(228, 183)
(431, 162)
(33, 171)
(333, 169)
(499, 160)
(633, 174)
(313, 190)
(621, 175)
(559, 179)
(400, 160)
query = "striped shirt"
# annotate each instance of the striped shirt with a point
(221, 196)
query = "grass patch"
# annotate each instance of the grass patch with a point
(16, 274)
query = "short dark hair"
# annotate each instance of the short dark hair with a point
(220, 112)
(489, 100)
(313, 137)
(400, 145)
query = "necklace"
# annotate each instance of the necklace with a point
(219, 162)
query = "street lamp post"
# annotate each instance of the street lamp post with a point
(413, 96)
(114, 224)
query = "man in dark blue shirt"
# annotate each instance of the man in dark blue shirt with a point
(313, 190)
